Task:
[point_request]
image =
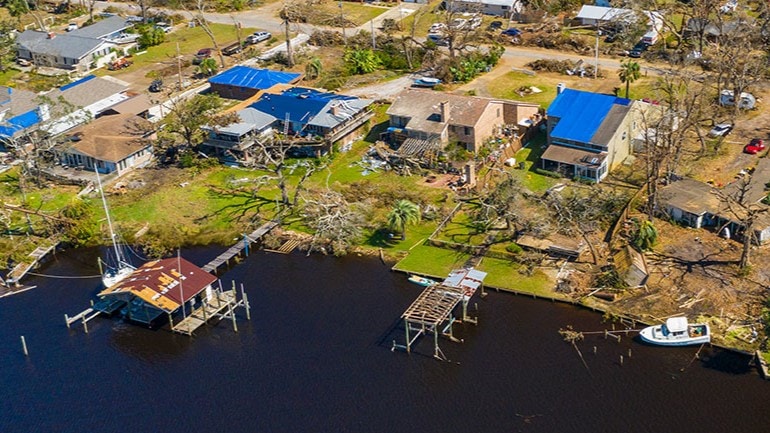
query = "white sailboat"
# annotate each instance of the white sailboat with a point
(113, 274)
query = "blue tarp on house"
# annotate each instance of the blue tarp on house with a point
(18, 123)
(581, 113)
(252, 78)
(296, 109)
(75, 83)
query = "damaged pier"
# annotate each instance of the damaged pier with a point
(433, 310)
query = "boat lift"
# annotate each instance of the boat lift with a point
(432, 311)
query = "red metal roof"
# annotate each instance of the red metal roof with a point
(164, 283)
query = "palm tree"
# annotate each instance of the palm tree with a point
(313, 69)
(208, 67)
(646, 236)
(628, 73)
(405, 212)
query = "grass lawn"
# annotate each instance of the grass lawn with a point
(7, 76)
(507, 85)
(360, 13)
(505, 275)
(530, 155)
(461, 230)
(424, 19)
(432, 261)
(190, 41)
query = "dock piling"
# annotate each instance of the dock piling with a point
(621, 360)
(24, 346)
(67, 321)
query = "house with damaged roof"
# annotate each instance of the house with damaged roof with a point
(589, 133)
(310, 119)
(424, 120)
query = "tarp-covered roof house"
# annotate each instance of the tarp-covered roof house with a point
(589, 133)
(242, 82)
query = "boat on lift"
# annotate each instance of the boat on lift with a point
(422, 281)
(677, 331)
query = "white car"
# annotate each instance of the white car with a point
(437, 28)
(721, 130)
(166, 27)
(258, 37)
(72, 26)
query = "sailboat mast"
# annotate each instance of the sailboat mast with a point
(118, 256)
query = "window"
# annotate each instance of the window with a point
(498, 112)
(505, 7)
(467, 131)
(624, 136)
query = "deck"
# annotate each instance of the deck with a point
(236, 249)
(225, 300)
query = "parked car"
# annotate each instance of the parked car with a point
(166, 27)
(495, 25)
(133, 19)
(258, 37)
(203, 53)
(721, 130)
(437, 28)
(156, 86)
(474, 22)
(438, 39)
(755, 146)
(232, 49)
(512, 32)
(23, 62)
(638, 50)
(71, 27)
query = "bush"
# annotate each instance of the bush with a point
(150, 36)
(513, 248)
(548, 173)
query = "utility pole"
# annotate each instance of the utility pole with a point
(342, 24)
(179, 65)
(374, 40)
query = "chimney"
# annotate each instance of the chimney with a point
(444, 106)
(560, 88)
(51, 35)
(335, 109)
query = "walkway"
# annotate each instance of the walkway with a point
(240, 246)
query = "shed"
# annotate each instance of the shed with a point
(243, 82)
(631, 267)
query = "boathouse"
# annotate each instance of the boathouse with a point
(158, 287)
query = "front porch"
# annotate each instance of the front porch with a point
(575, 163)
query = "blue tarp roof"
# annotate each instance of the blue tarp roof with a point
(581, 113)
(244, 76)
(75, 83)
(22, 121)
(298, 110)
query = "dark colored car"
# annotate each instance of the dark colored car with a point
(156, 86)
(755, 146)
(512, 32)
(638, 50)
(203, 53)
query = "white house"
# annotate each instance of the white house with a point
(502, 8)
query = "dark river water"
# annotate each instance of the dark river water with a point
(316, 357)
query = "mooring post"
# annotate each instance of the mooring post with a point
(67, 321)
(621, 360)
(594, 350)
(605, 334)
(92, 302)
(246, 245)
(246, 303)
(24, 346)
(408, 343)
(85, 325)
(629, 352)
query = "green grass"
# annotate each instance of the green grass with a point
(461, 230)
(361, 13)
(505, 275)
(507, 85)
(7, 76)
(530, 155)
(424, 20)
(431, 261)
(190, 40)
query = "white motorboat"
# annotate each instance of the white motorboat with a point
(677, 332)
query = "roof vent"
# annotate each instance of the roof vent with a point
(51, 35)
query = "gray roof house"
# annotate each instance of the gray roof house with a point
(238, 137)
(78, 50)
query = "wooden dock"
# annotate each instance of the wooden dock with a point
(84, 316)
(33, 259)
(221, 305)
(242, 245)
